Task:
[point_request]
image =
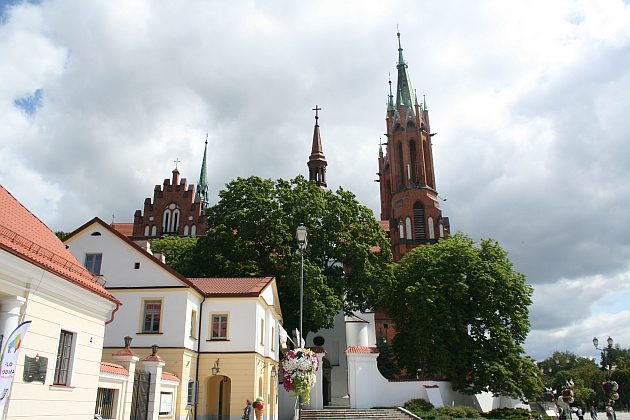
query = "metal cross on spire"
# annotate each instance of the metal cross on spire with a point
(176, 162)
(317, 109)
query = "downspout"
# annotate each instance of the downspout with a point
(198, 354)
(113, 312)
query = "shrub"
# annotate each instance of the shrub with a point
(418, 405)
(508, 414)
(458, 411)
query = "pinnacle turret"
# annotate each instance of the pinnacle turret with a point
(202, 185)
(317, 161)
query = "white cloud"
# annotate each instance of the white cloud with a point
(528, 100)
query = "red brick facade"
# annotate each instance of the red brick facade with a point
(175, 210)
(409, 199)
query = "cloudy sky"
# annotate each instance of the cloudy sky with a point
(530, 100)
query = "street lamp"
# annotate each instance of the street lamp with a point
(609, 387)
(302, 239)
(605, 352)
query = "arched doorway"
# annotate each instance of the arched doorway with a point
(219, 396)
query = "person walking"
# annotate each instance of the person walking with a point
(593, 413)
(247, 411)
(580, 413)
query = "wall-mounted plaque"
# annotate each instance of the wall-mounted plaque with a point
(35, 368)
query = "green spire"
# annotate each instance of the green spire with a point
(202, 185)
(390, 98)
(404, 95)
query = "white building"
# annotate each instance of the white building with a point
(217, 335)
(42, 282)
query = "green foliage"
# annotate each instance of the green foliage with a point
(462, 311)
(587, 377)
(61, 234)
(508, 414)
(179, 252)
(458, 411)
(418, 404)
(386, 361)
(252, 233)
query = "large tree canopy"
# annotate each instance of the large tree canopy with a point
(461, 311)
(252, 233)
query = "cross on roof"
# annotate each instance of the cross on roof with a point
(317, 109)
(176, 162)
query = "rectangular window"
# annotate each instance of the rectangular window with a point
(273, 338)
(93, 263)
(193, 324)
(64, 358)
(262, 332)
(166, 403)
(105, 403)
(191, 398)
(219, 327)
(152, 314)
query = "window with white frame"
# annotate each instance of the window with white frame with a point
(152, 316)
(262, 332)
(166, 403)
(93, 263)
(273, 338)
(63, 366)
(193, 324)
(170, 219)
(219, 328)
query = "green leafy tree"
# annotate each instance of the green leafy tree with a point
(178, 252)
(386, 361)
(462, 311)
(252, 233)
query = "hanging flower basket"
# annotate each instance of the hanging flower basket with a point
(298, 370)
(567, 395)
(258, 408)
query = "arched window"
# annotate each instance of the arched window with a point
(193, 230)
(431, 228)
(441, 230)
(413, 151)
(166, 221)
(154, 230)
(418, 222)
(401, 230)
(185, 230)
(146, 230)
(408, 227)
(170, 219)
(401, 165)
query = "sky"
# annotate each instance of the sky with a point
(530, 101)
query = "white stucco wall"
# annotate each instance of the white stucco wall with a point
(52, 303)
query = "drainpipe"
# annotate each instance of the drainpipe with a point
(198, 354)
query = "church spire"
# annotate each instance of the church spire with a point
(390, 98)
(202, 185)
(404, 92)
(317, 161)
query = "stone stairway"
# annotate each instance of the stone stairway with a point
(356, 414)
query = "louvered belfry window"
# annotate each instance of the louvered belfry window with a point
(418, 222)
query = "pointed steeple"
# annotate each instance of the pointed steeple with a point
(317, 161)
(202, 185)
(390, 98)
(404, 92)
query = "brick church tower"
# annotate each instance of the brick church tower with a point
(176, 209)
(409, 199)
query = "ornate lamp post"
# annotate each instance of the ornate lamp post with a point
(302, 239)
(609, 387)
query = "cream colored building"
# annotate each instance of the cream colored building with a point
(41, 282)
(219, 336)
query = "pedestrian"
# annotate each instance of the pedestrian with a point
(609, 412)
(562, 414)
(580, 413)
(593, 413)
(247, 411)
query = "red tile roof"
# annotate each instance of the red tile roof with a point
(237, 286)
(124, 228)
(361, 349)
(107, 367)
(125, 351)
(168, 376)
(24, 235)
